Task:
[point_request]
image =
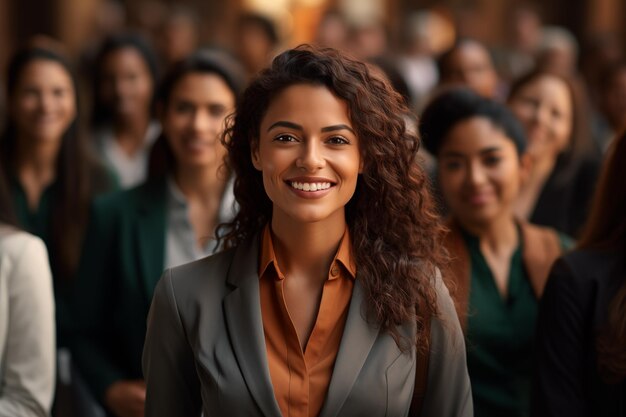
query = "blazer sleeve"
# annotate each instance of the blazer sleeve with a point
(29, 358)
(173, 386)
(94, 288)
(448, 390)
(558, 388)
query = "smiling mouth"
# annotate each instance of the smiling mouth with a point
(310, 186)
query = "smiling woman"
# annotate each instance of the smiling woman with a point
(166, 221)
(52, 178)
(499, 264)
(330, 278)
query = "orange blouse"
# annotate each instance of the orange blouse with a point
(300, 379)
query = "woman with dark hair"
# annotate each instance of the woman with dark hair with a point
(499, 264)
(167, 221)
(564, 161)
(125, 77)
(27, 349)
(52, 177)
(581, 337)
(327, 299)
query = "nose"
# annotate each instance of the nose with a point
(311, 158)
(203, 122)
(475, 174)
(46, 102)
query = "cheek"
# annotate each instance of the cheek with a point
(450, 185)
(509, 179)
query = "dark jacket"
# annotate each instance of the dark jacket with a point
(122, 260)
(574, 307)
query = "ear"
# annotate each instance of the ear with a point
(256, 158)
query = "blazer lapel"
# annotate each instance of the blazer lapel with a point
(356, 343)
(151, 223)
(245, 326)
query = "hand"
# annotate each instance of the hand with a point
(126, 398)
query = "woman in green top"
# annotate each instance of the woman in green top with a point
(499, 264)
(168, 220)
(52, 177)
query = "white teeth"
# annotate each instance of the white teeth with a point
(310, 186)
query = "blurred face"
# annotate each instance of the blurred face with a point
(471, 66)
(193, 119)
(44, 102)
(253, 47)
(126, 83)
(479, 172)
(308, 154)
(544, 106)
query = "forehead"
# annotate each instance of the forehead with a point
(43, 69)
(473, 136)
(548, 86)
(127, 55)
(201, 86)
(307, 104)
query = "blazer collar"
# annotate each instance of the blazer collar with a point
(357, 341)
(245, 325)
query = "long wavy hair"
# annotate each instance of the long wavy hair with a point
(395, 230)
(606, 230)
(78, 174)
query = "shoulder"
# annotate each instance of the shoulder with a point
(150, 192)
(15, 243)
(24, 256)
(199, 279)
(586, 265)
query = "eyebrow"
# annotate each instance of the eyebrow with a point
(295, 126)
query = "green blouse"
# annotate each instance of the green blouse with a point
(500, 335)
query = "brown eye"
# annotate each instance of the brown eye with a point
(285, 138)
(338, 140)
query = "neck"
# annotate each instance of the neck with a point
(499, 235)
(132, 128)
(306, 248)
(201, 184)
(37, 159)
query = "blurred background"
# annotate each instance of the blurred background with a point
(580, 34)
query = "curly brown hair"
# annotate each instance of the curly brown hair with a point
(395, 229)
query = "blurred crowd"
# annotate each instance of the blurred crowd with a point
(113, 159)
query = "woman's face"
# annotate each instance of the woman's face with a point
(44, 102)
(479, 172)
(308, 153)
(193, 119)
(544, 106)
(127, 84)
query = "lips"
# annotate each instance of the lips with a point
(478, 199)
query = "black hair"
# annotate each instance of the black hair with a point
(263, 23)
(205, 61)
(455, 105)
(101, 112)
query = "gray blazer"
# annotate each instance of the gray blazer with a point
(205, 351)
(27, 332)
